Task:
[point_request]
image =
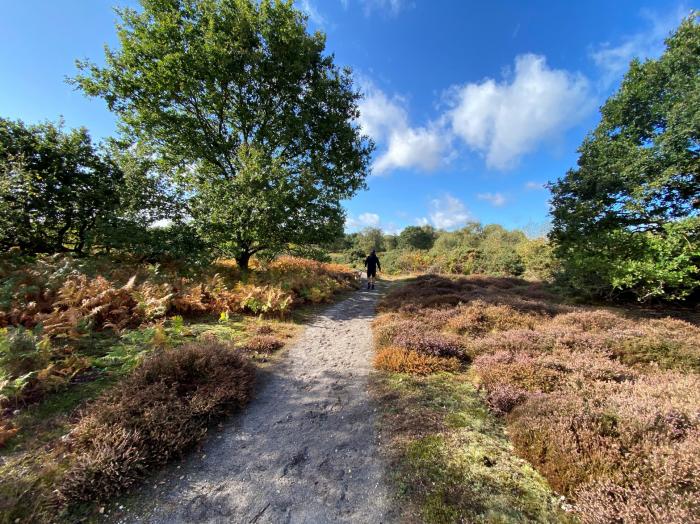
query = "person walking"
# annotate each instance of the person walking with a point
(372, 264)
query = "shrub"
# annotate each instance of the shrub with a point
(21, 352)
(665, 487)
(386, 327)
(430, 343)
(153, 415)
(399, 360)
(479, 318)
(592, 320)
(502, 398)
(588, 434)
(263, 344)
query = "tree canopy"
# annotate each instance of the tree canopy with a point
(626, 219)
(243, 104)
(55, 187)
(417, 237)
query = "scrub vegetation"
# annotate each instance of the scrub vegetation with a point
(602, 403)
(106, 376)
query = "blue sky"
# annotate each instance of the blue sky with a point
(473, 105)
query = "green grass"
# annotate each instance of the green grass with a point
(454, 461)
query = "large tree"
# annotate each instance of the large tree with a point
(239, 98)
(626, 219)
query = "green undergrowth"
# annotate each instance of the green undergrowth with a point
(453, 460)
(27, 465)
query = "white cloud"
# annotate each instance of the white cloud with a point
(422, 148)
(506, 120)
(447, 212)
(386, 121)
(369, 219)
(614, 60)
(362, 221)
(534, 185)
(393, 7)
(496, 199)
(310, 10)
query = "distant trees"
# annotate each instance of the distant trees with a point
(239, 100)
(627, 218)
(473, 249)
(368, 239)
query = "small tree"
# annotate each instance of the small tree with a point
(417, 237)
(368, 239)
(243, 102)
(626, 219)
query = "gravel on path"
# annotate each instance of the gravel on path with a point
(305, 450)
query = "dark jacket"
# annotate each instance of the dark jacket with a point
(372, 263)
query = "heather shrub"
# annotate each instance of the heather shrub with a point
(263, 344)
(591, 320)
(604, 404)
(516, 369)
(502, 398)
(578, 436)
(264, 329)
(386, 327)
(664, 352)
(479, 318)
(153, 415)
(526, 340)
(431, 343)
(663, 487)
(400, 360)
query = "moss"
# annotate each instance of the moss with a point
(464, 469)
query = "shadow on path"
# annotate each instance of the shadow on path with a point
(304, 450)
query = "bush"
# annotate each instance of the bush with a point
(664, 488)
(590, 434)
(21, 352)
(153, 415)
(429, 343)
(263, 344)
(479, 318)
(399, 360)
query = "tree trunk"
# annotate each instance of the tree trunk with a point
(242, 260)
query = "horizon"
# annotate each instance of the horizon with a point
(460, 136)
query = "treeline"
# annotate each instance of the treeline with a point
(60, 192)
(476, 248)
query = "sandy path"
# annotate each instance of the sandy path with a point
(305, 450)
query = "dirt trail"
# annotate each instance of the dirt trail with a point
(305, 450)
